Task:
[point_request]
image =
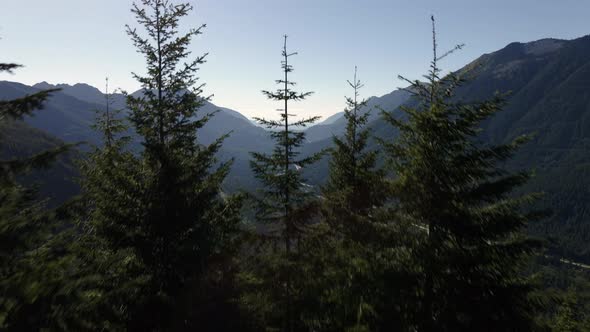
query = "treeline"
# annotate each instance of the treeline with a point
(431, 241)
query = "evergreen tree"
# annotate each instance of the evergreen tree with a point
(454, 192)
(30, 269)
(355, 185)
(567, 315)
(355, 189)
(108, 275)
(286, 204)
(163, 208)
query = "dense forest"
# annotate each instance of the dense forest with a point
(423, 210)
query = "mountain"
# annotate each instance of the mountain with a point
(69, 114)
(336, 124)
(58, 183)
(80, 91)
(63, 116)
(331, 119)
(548, 82)
(548, 86)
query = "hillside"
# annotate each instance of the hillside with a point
(336, 124)
(55, 184)
(548, 86)
(69, 114)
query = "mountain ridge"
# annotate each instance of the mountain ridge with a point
(68, 116)
(549, 85)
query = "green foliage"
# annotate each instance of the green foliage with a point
(355, 185)
(567, 314)
(162, 210)
(31, 250)
(285, 208)
(156, 245)
(340, 296)
(17, 108)
(111, 274)
(55, 182)
(566, 291)
(470, 249)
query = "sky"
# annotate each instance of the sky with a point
(84, 41)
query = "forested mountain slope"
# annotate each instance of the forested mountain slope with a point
(58, 182)
(548, 95)
(69, 114)
(548, 86)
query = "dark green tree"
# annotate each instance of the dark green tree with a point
(567, 315)
(30, 266)
(455, 193)
(163, 207)
(108, 275)
(286, 204)
(355, 185)
(343, 289)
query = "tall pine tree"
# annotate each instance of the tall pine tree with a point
(164, 206)
(355, 184)
(453, 190)
(342, 262)
(108, 275)
(286, 204)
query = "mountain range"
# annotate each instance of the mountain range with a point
(68, 116)
(548, 95)
(547, 87)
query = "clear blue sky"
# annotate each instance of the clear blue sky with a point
(70, 41)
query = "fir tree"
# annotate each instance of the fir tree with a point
(163, 207)
(30, 271)
(108, 275)
(567, 315)
(455, 193)
(343, 287)
(355, 185)
(286, 204)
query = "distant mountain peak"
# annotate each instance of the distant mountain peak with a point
(543, 46)
(44, 86)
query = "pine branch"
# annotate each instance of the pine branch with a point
(20, 107)
(9, 67)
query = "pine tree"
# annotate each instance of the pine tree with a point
(355, 185)
(108, 275)
(29, 269)
(355, 189)
(109, 172)
(286, 204)
(163, 207)
(454, 192)
(567, 314)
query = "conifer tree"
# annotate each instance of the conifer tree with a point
(355, 189)
(108, 274)
(29, 270)
(567, 317)
(163, 207)
(286, 204)
(108, 173)
(355, 185)
(459, 200)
